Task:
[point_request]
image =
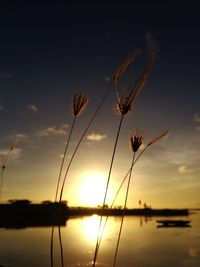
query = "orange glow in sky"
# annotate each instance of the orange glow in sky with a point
(91, 188)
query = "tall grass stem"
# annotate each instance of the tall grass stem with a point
(125, 205)
(58, 184)
(82, 136)
(106, 190)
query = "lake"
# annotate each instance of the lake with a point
(142, 244)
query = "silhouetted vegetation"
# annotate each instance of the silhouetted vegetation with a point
(23, 213)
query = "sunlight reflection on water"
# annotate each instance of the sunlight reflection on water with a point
(142, 244)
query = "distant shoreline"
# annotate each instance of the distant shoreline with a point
(128, 212)
(24, 214)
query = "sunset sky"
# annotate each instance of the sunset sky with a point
(50, 51)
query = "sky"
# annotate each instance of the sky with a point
(51, 50)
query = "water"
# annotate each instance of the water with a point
(142, 244)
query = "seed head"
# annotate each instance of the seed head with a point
(124, 105)
(136, 140)
(126, 102)
(119, 72)
(14, 143)
(157, 137)
(79, 104)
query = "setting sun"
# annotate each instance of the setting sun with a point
(92, 188)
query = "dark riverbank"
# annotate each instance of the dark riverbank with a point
(128, 212)
(23, 214)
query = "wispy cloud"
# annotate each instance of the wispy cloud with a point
(21, 136)
(107, 79)
(197, 120)
(1, 107)
(32, 108)
(15, 157)
(183, 169)
(52, 130)
(96, 137)
(197, 117)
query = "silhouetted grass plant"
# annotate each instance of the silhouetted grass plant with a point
(136, 141)
(5, 163)
(125, 104)
(78, 106)
(126, 101)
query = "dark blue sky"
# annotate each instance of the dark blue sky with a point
(49, 50)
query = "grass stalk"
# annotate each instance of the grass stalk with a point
(82, 136)
(58, 184)
(61, 247)
(64, 156)
(73, 155)
(5, 162)
(106, 190)
(119, 189)
(155, 139)
(124, 210)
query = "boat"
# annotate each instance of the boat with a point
(173, 223)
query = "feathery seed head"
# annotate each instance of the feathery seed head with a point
(14, 143)
(136, 140)
(79, 104)
(121, 69)
(157, 137)
(128, 99)
(124, 105)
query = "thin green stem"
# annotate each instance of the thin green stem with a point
(125, 204)
(106, 191)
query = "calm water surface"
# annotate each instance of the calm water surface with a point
(142, 244)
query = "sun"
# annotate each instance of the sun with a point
(91, 188)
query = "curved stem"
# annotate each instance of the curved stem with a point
(1, 178)
(73, 155)
(64, 156)
(125, 204)
(106, 191)
(58, 184)
(82, 136)
(61, 246)
(3, 168)
(116, 195)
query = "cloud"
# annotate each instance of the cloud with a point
(96, 137)
(185, 169)
(21, 136)
(1, 107)
(107, 79)
(197, 120)
(32, 108)
(15, 155)
(197, 117)
(53, 130)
